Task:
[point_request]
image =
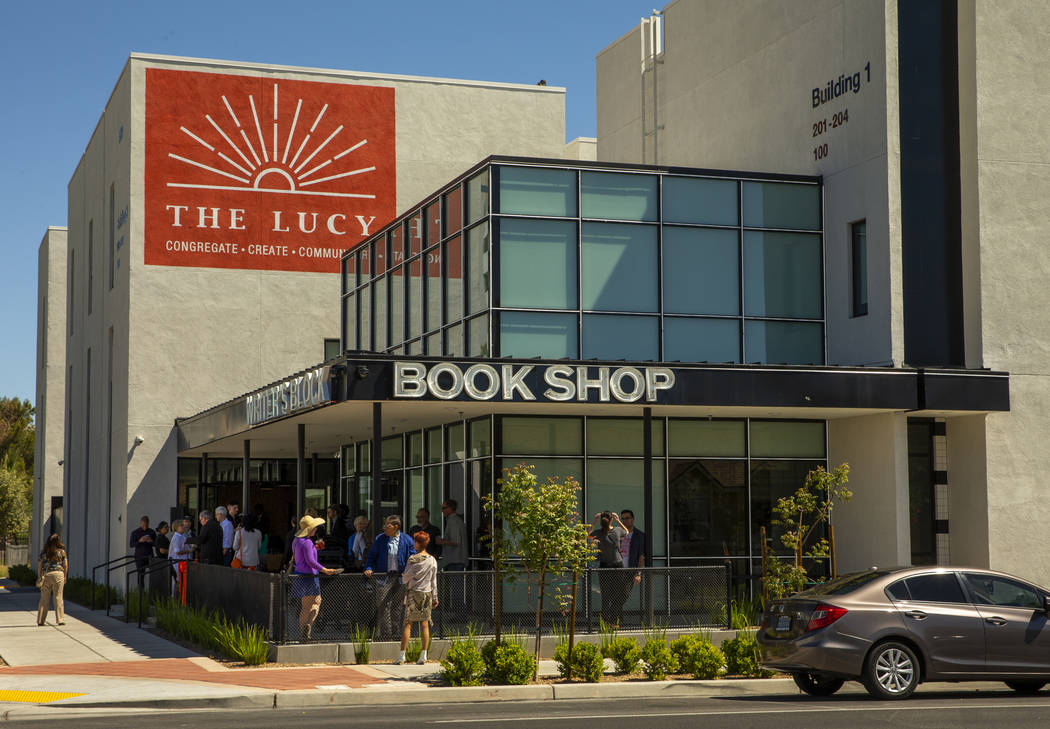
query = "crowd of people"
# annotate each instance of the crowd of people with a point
(402, 567)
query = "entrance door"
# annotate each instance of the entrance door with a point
(1017, 636)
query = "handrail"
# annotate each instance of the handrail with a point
(165, 565)
(100, 566)
(128, 560)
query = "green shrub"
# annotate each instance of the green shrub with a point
(415, 647)
(507, 662)
(587, 661)
(213, 631)
(697, 655)
(22, 574)
(626, 654)
(362, 639)
(606, 637)
(131, 604)
(657, 659)
(78, 590)
(741, 655)
(242, 640)
(463, 665)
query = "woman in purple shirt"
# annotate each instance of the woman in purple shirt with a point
(305, 583)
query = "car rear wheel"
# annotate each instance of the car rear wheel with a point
(1026, 687)
(891, 671)
(817, 685)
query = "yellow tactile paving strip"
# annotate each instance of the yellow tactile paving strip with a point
(34, 697)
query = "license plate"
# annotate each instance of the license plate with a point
(783, 623)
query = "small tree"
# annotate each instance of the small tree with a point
(541, 527)
(16, 500)
(801, 514)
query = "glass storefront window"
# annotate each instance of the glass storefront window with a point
(397, 305)
(713, 438)
(700, 201)
(544, 468)
(478, 268)
(364, 457)
(414, 297)
(782, 275)
(416, 493)
(537, 261)
(480, 438)
(771, 481)
(454, 341)
(619, 267)
(615, 437)
(364, 321)
(610, 337)
(527, 335)
(453, 203)
(701, 270)
(786, 439)
(434, 452)
(477, 197)
(784, 342)
(453, 279)
(781, 205)
(708, 507)
(415, 448)
(392, 456)
(350, 317)
(478, 336)
(616, 484)
(456, 447)
(433, 264)
(381, 309)
(688, 339)
(547, 436)
(537, 191)
(618, 196)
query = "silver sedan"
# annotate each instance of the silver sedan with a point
(895, 628)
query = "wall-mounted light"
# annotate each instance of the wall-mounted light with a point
(139, 440)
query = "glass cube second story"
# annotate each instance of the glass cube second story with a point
(545, 259)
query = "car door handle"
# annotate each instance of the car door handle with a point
(995, 621)
(916, 614)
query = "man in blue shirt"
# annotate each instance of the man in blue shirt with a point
(389, 556)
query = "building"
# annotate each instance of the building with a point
(206, 220)
(929, 133)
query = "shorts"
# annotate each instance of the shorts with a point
(417, 606)
(305, 585)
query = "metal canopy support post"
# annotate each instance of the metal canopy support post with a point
(300, 473)
(647, 501)
(245, 480)
(377, 453)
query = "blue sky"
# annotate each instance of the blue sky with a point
(62, 59)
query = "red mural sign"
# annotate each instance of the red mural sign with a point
(254, 172)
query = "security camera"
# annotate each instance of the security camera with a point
(139, 440)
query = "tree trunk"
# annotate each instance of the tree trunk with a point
(539, 623)
(572, 621)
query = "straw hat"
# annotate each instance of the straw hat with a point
(307, 523)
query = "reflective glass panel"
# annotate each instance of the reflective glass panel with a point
(783, 342)
(392, 456)
(781, 205)
(454, 341)
(618, 196)
(616, 484)
(415, 448)
(477, 196)
(478, 268)
(782, 275)
(770, 481)
(364, 314)
(435, 343)
(553, 436)
(537, 260)
(785, 439)
(480, 438)
(415, 492)
(382, 308)
(698, 200)
(350, 273)
(717, 438)
(430, 228)
(350, 318)
(456, 450)
(527, 335)
(397, 305)
(432, 260)
(701, 340)
(537, 191)
(707, 502)
(615, 437)
(701, 271)
(478, 336)
(414, 297)
(364, 267)
(453, 202)
(380, 259)
(618, 269)
(633, 338)
(453, 279)
(396, 244)
(433, 436)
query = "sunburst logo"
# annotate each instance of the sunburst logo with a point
(267, 166)
(251, 172)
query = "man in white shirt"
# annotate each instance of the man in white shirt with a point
(179, 553)
(226, 525)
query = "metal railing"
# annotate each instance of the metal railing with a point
(114, 564)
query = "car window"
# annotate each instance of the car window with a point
(898, 591)
(936, 587)
(995, 590)
(843, 585)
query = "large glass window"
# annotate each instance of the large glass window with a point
(609, 337)
(707, 502)
(616, 484)
(453, 218)
(433, 264)
(454, 341)
(701, 271)
(453, 279)
(782, 275)
(478, 268)
(701, 340)
(615, 437)
(382, 307)
(618, 269)
(781, 205)
(478, 336)
(527, 335)
(397, 240)
(537, 191)
(858, 234)
(414, 297)
(618, 196)
(698, 200)
(787, 439)
(477, 196)
(397, 305)
(350, 317)
(697, 438)
(537, 260)
(552, 436)
(771, 481)
(364, 326)
(783, 342)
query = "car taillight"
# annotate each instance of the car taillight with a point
(824, 615)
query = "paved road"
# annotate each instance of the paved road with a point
(850, 710)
